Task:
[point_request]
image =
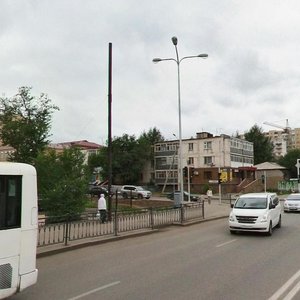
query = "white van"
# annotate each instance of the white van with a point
(257, 212)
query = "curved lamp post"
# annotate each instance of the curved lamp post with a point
(178, 61)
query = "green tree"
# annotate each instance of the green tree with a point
(25, 124)
(127, 160)
(146, 143)
(263, 147)
(94, 161)
(147, 140)
(151, 137)
(129, 156)
(62, 183)
(289, 161)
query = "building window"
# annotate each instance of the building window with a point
(92, 151)
(166, 147)
(172, 174)
(207, 145)
(161, 161)
(207, 160)
(170, 160)
(191, 161)
(191, 146)
(160, 175)
(157, 148)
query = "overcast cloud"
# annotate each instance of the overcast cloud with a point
(60, 47)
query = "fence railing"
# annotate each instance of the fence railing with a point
(89, 225)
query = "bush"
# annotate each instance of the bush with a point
(205, 188)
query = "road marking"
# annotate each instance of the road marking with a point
(226, 243)
(277, 294)
(95, 290)
(293, 292)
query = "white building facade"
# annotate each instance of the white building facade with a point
(204, 151)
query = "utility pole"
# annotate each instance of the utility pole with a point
(220, 187)
(109, 129)
(189, 183)
(297, 165)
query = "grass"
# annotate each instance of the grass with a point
(128, 205)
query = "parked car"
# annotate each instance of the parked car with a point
(128, 191)
(255, 212)
(292, 202)
(95, 189)
(193, 197)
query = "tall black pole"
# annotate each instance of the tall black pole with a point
(109, 129)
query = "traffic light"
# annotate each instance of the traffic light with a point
(185, 171)
(219, 178)
(192, 170)
(262, 179)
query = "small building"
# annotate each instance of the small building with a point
(86, 147)
(208, 158)
(5, 152)
(270, 173)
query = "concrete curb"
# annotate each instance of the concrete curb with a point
(196, 221)
(61, 248)
(56, 249)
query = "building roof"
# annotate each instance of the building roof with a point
(84, 144)
(269, 166)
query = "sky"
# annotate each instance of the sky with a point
(60, 47)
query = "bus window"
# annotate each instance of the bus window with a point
(10, 201)
(18, 230)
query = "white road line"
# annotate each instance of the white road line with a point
(277, 294)
(95, 290)
(226, 243)
(293, 292)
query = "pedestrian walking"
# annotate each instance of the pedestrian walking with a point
(102, 208)
(209, 195)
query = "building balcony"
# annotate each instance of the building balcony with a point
(166, 167)
(170, 181)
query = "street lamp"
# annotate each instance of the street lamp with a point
(178, 61)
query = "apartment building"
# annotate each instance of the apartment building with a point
(281, 141)
(284, 140)
(207, 156)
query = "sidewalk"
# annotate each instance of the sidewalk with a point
(216, 209)
(212, 211)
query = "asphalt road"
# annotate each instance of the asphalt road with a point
(197, 262)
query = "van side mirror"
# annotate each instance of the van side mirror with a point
(231, 205)
(272, 205)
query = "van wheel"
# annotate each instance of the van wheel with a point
(270, 231)
(140, 196)
(232, 231)
(125, 196)
(279, 222)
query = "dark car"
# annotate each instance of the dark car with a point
(95, 189)
(193, 197)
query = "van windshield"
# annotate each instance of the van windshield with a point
(251, 203)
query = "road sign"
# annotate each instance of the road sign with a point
(213, 181)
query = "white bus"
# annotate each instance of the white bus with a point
(18, 227)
